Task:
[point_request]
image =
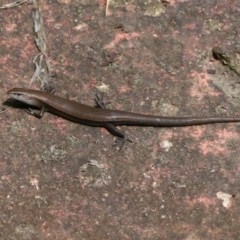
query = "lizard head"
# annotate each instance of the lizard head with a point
(26, 96)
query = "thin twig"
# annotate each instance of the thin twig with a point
(14, 4)
(107, 13)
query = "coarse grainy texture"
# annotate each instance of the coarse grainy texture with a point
(61, 180)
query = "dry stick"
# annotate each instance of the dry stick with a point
(42, 65)
(107, 7)
(14, 4)
(5, 110)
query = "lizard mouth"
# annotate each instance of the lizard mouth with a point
(17, 96)
(21, 98)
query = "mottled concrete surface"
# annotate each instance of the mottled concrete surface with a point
(61, 180)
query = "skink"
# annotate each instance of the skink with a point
(101, 117)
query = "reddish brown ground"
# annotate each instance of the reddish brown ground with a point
(61, 180)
